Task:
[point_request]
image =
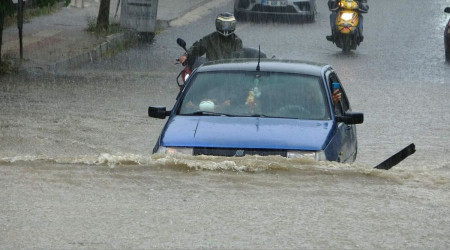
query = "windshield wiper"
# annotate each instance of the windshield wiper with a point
(263, 116)
(206, 113)
(257, 115)
(209, 113)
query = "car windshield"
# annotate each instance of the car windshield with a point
(259, 94)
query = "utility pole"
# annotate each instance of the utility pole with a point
(20, 6)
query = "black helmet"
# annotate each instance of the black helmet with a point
(225, 23)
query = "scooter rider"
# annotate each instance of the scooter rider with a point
(333, 7)
(220, 44)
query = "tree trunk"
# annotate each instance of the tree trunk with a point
(103, 15)
(1, 34)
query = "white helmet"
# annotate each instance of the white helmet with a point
(207, 106)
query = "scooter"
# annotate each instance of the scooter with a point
(346, 33)
(190, 64)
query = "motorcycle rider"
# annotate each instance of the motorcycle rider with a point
(220, 44)
(333, 7)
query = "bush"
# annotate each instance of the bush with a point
(8, 66)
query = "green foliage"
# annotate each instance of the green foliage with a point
(29, 14)
(7, 7)
(8, 65)
(91, 23)
(45, 3)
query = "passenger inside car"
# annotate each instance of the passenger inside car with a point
(226, 91)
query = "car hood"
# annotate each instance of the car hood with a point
(246, 132)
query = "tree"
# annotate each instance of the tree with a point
(103, 15)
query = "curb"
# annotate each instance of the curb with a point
(163, 24)
(103, 50)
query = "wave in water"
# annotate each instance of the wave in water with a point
(400, 174)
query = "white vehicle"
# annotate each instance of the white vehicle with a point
(289, 10)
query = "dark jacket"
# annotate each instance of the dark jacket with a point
(216, 46)
(332, 4)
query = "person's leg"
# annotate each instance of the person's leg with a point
(360, 26)
(333, 16)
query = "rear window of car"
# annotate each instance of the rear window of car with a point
(271, 94)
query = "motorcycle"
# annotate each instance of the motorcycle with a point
(346, 33)
(191, 63)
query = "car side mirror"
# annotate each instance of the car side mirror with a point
(447, 10)
(351, 118)
(158, 112)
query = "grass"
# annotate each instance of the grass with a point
(8, 66)
(124, 45)
(116, 50)
(113, 28)
(92, 27)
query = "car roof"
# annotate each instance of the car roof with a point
(266, 65)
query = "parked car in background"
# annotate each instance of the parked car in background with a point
(274, 107)
(447, 37)
(285, 10)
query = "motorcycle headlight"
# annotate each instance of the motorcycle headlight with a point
(347, 16)
(311, 155)
(175, 150)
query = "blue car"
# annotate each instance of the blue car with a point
(269, 107)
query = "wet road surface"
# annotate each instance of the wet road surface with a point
(75, 150)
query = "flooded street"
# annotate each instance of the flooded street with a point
(76, 169)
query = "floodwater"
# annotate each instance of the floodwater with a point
(76, 169)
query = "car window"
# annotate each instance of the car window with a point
(270, 94)
(344, 103)
(338, 109)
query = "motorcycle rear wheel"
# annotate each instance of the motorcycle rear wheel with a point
(346, 44)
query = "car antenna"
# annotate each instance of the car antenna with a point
(259, 57)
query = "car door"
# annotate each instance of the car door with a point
(346, 132)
